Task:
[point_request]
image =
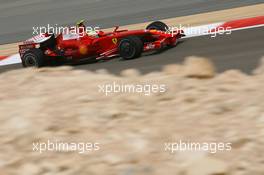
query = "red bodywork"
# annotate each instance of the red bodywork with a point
(102, 46)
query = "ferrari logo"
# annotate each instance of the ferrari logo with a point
(114, 40)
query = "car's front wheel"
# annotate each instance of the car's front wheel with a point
(33, 58)
(130, 47)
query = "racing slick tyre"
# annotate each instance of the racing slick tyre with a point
(130, 47)
(158, 25)
(33, 58)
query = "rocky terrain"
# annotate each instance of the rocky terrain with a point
(199, 105)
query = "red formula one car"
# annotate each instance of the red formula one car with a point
(69, 48)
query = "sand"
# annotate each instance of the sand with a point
(65, 105)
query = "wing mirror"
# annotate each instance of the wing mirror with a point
(116, 28)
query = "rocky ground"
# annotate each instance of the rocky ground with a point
(199, 105)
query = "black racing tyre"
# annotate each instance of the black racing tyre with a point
(158, 25)
(130, 47)
(33, 58)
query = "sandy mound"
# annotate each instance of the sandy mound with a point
(132, 129)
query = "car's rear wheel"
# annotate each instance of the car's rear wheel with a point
(158, 25)
(130, 47)
(33, 58)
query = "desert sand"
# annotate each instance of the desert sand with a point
(199, 105)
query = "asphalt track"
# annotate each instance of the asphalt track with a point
(17, 17)
(240, 50)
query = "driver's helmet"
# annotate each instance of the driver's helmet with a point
(80, 23)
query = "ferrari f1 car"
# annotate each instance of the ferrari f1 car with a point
(40, 51)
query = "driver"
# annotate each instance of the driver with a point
(81, 27)
(83, 30)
